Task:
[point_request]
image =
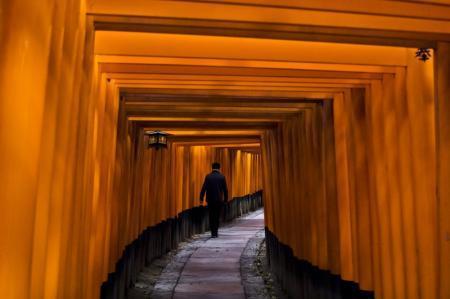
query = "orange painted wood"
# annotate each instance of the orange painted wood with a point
(442, 73)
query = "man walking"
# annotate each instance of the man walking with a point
(216, 190)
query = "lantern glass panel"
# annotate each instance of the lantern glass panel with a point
(152, 139)
(162, 139)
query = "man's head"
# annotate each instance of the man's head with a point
(216, 166)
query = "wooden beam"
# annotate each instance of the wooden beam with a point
(237, 78)
(203, 125)
(137, 68)
(268, 31)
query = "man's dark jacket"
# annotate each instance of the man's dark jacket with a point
(215, 187)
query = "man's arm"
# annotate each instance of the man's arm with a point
(225, 189)
(202, 193)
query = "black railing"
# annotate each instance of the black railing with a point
(300, 279)
(157, 240)
(242, 205)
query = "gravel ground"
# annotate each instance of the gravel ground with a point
(258, 281)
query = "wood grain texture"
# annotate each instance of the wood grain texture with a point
(442, 73)
(382, 185)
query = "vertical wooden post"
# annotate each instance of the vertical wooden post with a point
(442, 96)
(330, 187)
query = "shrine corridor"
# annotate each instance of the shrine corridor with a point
(334, 116)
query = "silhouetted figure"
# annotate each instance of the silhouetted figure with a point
(216, 190)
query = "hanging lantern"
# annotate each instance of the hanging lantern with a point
(157, 139)
(423, 54)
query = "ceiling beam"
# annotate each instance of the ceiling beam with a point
(302, 32)
(139, 68)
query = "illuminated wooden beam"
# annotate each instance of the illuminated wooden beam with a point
(218, 105)
(238, 145)
(138, 68)
(227, 88)
(216, 139)
(209, 115)
(214, 84)
(284, 23)
(407, 8)
(201, 125)
(220, 143)
(237, 78)
(117, 46)
(314, 96)
(314, 15)
(239, 119)
(213, 133)
(151, 109)
(146, 96)
(245, 63)
(271, 31)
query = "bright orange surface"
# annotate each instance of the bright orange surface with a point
(356, 184)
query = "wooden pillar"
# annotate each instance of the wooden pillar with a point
(343, 188)
(442, 96)
(330, 188)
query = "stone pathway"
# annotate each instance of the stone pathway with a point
(210, 268)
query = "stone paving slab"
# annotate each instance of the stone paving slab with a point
(215, 287)
(224, 277)
(206, 252)
(208, 260)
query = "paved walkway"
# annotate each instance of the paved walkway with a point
(212, 268)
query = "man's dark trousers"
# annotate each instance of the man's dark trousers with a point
(214, 209)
